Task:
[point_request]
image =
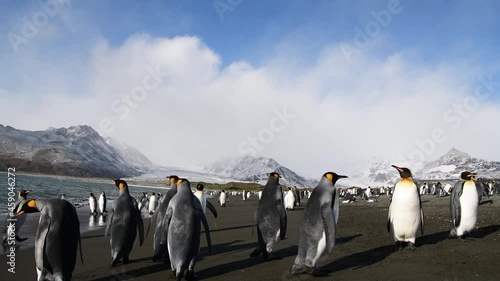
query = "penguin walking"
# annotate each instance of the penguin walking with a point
(296, 195)
(153, 203)
(223, 199)
(289, 200)
(102, 203)
(160, 225)
(143, 201)
(406, 215)
(319, 226)
(184, 219)
(270, 217)
(203, 200)
(92, 204)
(57, 238)
(125, 221)
(22, 197)
(465, 199)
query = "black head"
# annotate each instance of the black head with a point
(91, 194)
(467, 176)
(172, 179)
(333, 177)
(274, 175)
(403, 172)
(23, 193)
(103, 193)
(121, 184)
(200, 187)
(153, 194)
(28, 207)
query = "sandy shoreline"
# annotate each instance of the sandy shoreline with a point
(363, 252)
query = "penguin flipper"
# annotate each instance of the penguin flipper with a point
(40, 254)
(108, 227)
(212, 209)
(207, 232)
(283, 219)
(480, 190)
(140, 225)
(328, 219)
(254, 221)
(153, 219)
(456, 209)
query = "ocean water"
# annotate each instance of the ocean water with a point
(76, 190)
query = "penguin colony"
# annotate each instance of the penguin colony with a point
(177, 218)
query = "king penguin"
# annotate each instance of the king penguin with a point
(143, 201)
(406, 215)
(153, 203)
(125, 221)
(270, 217)
(22, 197)
(290, 200)
(57, 238)
(102, 203)
(319, 225)
(465, 199)
(160, 226)
(203, 200)
(223, 199)
(184, 218)
(92, 204)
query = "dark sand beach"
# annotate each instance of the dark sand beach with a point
(364, 249)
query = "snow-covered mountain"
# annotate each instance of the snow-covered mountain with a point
(378, 171)
(73, 151)
(255, 169)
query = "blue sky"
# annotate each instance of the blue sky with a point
(293, 50)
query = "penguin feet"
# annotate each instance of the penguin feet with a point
(315, 271)
(297, 269)
(190, 276)
(412, 247)
(126, 260)
(398, 246)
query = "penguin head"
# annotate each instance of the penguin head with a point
(172, 179)
(23, 193)
(274, 175)
(28, 207)
(153, 194)
(102, 193)
(333, 177)
(91, 194)
(200, 187)
(403, 172)
(121, 184)
(182, 181)
(467, 176)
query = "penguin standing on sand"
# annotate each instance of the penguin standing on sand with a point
(319, 226)
(465, 199)
(203, 200)
(153, 203)
(184, 218)
(92, 204)
(223, 199)
(270, 217)
(160, 225)
(125, 221)
(102, 203)
(22, 197)
(143, 201)
(289, 200)
(405, 216)
(57, 238)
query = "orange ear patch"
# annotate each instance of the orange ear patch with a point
(329, 176)
(179, 181)
(32, 204)
(172, 180)
(121, 185)
(276, 175)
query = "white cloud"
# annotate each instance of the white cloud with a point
(202, 112)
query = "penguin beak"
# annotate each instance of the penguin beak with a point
(397, 168)
(19, 213)
(342, 177)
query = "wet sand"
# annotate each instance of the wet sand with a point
(364, 249)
